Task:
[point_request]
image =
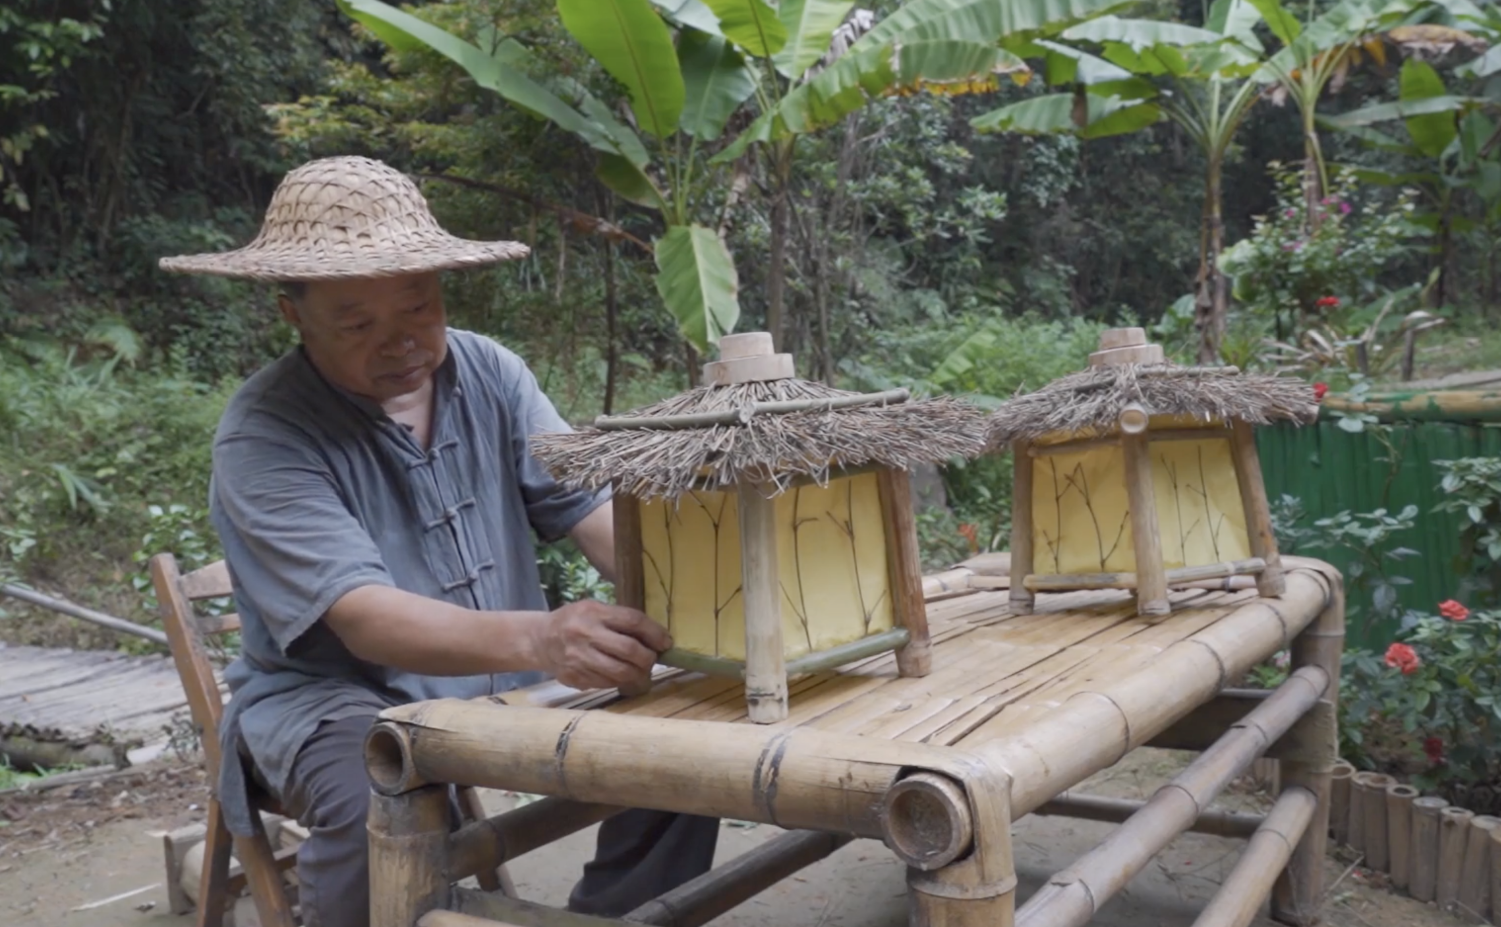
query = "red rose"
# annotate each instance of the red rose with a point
(1404, 658)
(1453, 610)
(1434, 748)
(1320, 390)
(1328, 302)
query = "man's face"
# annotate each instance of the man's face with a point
(379, 338)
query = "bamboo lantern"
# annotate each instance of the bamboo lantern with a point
(766, 521)
(1139, 474)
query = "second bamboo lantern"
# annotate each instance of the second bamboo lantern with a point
(766, 521)
(1139, 474)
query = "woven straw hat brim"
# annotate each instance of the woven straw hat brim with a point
(421, 252)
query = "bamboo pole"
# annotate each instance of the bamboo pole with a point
(1269, 581)
(1355, 828)
(1475, 876)
(702, 663)
(1151, 578)
(84, 614)
(494, 841)
(1022, 467)
(937, 806)
(630, 578)
(765, 660)
(1339, 802)
(1425, 847)
(408, 855)
(704, 898)
(1072, 897)
(1299, 891)
(1399, 833)
(1115, 810)
(1266, 856)
(748, 411)
(793, 778)
(1453, 835)
(1068, 582)
(822, 660)
(978, 890)
(1373, 810)
(914, 656)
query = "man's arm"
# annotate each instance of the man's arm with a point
(584, 644)
(595, 536)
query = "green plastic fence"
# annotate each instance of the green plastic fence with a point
(1332, 470)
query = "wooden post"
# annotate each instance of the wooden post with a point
(408, 855)
(1269, 582)
(904, 573)
(1339, 802)
(765, 661)
(1300, 890)
(1022, 598)
(630, 577)
(1399, 834)
(1425, 847)
(1373, 808)
(1151, 575)
(1475, 877)
(1453, 835)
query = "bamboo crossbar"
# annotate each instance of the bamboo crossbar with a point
(1072, 897)
(702, 663)
(848, 653)
(704, 898)
(1239, 899)
(747, 412)
(1165, 434)
(1057, 582)
(488, 844)
(1214, 822)
(792, 778)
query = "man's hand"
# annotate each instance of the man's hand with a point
(591, 645)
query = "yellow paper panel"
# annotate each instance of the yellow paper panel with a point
(831, 552)
(1199, 512)
(1081, 514)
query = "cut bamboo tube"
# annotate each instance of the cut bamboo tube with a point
(937, 806)
(1151, 579)
(1453, 835)
(1495, 874)
(1072, 897)
(1475, 876)
(793, 778)
(408, 855)
(1022, 599)
(706, 897)
(490, 843)
(1269, 582)
(1339, 802)
(1399, 833)
(1373, 809)
(1425, 847)
(1298, 895)
(1356, 825)
(914, 656)
(630, 579)
(1115, 810)
(1266, 856)
(761, 591)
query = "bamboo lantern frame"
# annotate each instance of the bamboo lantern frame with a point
(1136, 432)
(945, 808)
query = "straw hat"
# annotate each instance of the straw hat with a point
(346, 218)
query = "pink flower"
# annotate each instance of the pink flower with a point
(1344, 209)
(1404, 658)
(1290, 213)
(1320, 390)
(1328, 302)
(1453, 610)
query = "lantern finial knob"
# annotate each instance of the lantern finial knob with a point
(748, 357)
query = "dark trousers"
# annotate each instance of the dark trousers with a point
(638, 856)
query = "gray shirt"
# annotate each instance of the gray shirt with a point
(317, 492)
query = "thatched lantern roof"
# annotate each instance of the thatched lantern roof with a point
(1093, 400)
(754, 422)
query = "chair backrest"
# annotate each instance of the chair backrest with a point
(186, 631)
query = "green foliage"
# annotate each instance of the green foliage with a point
(568, 576)
(1472, 487)
(697, 280)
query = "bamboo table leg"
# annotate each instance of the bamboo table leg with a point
(408, 855)
(1299, 891)
(978, 890)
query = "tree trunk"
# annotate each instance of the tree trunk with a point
(612, 347)
(691, 357)
(1313, 187)
(1211, 299)
(776, 274)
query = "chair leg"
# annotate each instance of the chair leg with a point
(213, 885)
(499, 880)
(267, 888)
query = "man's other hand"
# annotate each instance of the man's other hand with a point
(591, 645)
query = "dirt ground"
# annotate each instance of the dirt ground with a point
(64, 851)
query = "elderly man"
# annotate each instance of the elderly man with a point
(376, 500)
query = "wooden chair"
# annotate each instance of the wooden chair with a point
(260, 867)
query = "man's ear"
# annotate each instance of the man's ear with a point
(289, 310)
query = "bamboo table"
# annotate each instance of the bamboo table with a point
(1018, 710)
